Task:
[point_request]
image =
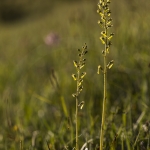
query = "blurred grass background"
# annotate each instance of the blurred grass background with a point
(36, 85)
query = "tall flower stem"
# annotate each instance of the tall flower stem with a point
(79, 78)
(105, 23)
(104, 104)
(104, 92)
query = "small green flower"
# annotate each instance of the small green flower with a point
(74, 76)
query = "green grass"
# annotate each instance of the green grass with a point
(34, 110)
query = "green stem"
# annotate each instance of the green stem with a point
(78, 76)
(104, 106)
(105, 96)
(76, 124)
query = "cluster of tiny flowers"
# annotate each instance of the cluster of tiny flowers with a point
(105, 23)
(79, 65)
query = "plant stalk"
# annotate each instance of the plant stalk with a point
(104, 97)
(78, 76)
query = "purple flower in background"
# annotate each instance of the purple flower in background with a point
(52, 39)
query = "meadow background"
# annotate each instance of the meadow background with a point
(36, 103)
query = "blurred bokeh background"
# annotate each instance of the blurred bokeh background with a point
(38, 43)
